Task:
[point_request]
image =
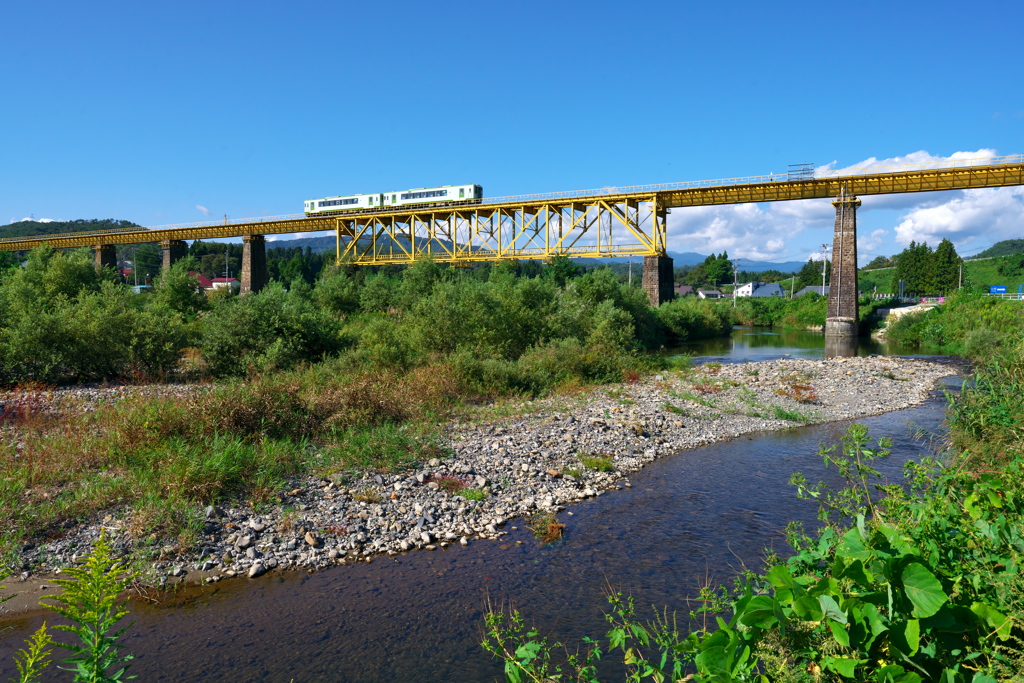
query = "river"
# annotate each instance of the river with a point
(694, 517)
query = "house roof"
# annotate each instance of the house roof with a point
(683, 290)
(201, 279)
(817, 289)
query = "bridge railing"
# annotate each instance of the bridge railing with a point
(819, 174)
(797, 176)
(85, 233)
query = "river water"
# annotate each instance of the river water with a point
(694, 517)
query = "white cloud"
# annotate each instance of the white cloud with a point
(867, 244)
(983, 216)
(772, 231)
(37, 220)
(749, 231)
(203, 210)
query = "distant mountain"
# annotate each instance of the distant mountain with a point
(32, 228)
(688, 258)
(1004, 248)
(316, 244)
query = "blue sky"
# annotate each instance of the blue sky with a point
(148, 111)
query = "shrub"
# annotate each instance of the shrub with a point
(692, 318)
(268, 330)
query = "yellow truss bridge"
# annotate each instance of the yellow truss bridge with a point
(619, 221)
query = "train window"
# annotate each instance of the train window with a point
(392, 198)
(462, 192)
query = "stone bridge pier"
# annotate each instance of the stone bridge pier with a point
(254, 264)
(657, 279)
(841, 321)
(105, 256)
(173, 250)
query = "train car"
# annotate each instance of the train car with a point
(434, 195)
(334, 205)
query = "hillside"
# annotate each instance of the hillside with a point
(1004, 248)
(31, 228)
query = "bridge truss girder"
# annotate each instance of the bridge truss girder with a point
(593, 227)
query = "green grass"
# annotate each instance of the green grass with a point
(473, 494)
(600, 463)
(790, 415)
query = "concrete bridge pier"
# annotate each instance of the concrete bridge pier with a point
(254, 264)
(106, 256)
(657, 280)
(841, 320)
(173, 250)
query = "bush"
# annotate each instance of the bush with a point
(692, 318)
(268, 330)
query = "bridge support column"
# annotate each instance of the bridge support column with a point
(106, 256)
(657, 280)
(842, 292)
(173, 250)
(254, 263)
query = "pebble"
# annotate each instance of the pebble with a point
(520, 463)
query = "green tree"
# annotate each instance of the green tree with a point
(914, 267)
(880, 262)
(810, 274)
(718, 269)
(945, 268)
(561, 269)
(180, 291)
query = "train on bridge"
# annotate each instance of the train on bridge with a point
(446, 195)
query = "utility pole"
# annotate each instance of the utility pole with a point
(824, 266)
(960, 285)
(735, 280)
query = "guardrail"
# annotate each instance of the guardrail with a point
(84, 233)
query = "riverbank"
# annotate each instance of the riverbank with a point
(541, 457)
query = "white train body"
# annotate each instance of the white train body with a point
(446, 194)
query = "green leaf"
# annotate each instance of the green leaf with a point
(808, 608)
(759, 612)
(923, 590)
(830, 608)
(858, 574)
(905, 636)
(839, 633)
(841, 665)
(996, 620)
(713, 660)
(853, 546)
(780, 577)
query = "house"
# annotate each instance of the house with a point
(759, 289)
(227, 283)
(216, 283)
(709, 294)
(683, 290)
(813, 289)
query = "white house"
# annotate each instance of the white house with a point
(709, 294)
(758, 289)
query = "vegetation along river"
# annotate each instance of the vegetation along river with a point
(698, 516)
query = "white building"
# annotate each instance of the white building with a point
(758, 289)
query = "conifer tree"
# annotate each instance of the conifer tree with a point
(945, 267)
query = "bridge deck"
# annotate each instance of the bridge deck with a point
(606, 222)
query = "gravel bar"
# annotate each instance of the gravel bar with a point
(520, 465)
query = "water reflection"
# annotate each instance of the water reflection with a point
(841, 347)
(702, 514)
(770, 343)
